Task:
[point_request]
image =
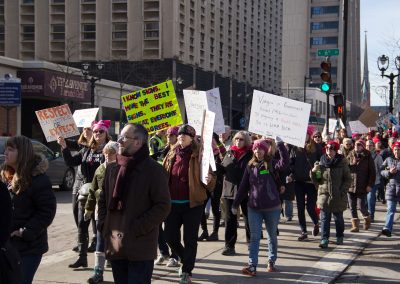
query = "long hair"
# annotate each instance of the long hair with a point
(267, 160)
(310, 146)
(19, 178)
(93, 143)
(82, 140)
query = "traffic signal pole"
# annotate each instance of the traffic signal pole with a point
(327, 114)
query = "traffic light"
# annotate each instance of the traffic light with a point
(326, 76)
(339, 105)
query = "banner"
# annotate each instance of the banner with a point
(207, 134)
(155, 107)
(85, 117)
(198, 101)
(57, 121)
(386, 121)
(358, 126)
(278, 116)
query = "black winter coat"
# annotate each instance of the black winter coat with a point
(5, 213)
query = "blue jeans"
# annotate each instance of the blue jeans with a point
(371, 199)
(288, 204)
(132, 272)
(326, 224)
(99, 242)
(391, 209)
(271, 219)
(30, 264)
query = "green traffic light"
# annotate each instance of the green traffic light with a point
(325, 87)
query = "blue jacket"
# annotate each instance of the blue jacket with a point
(393, 185)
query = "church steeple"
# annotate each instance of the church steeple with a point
(365, 86)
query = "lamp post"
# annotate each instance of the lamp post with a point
(383, 65)
(86, 70)
(305, 84)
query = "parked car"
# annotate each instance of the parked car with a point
(59, 173)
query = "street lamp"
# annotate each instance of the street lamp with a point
(305, 84)
(383, 65)
(86, 70)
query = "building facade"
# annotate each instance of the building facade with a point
(312, 25)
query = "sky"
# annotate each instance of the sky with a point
(381, 21)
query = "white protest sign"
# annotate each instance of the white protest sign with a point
(207, 134)
(278, 116)
(195, 103)
(57, 121)
(214, 105)
(85, 117)
(358, 126)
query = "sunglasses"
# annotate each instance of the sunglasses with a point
(99, 131)
(317, 136)
(239, 139)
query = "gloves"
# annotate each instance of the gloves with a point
(87, 215)
(278, 140)
(234, 211)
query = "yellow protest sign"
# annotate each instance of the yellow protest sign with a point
(155, 107)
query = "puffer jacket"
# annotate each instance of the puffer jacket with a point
(333, 185)
(362, 172)
(34, 211)
(96, 188)
(393, 185)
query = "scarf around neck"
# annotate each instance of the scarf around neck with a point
(330, 163)
(127, 165)
(238, 153)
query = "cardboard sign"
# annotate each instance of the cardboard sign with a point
(369, 117)
(57, 121)
(358, 126)
(85, 117)
(156, 107)
(207, 134)
(278, 116)
(198, 101)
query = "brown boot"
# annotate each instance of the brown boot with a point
(367, 222)
(355, 222)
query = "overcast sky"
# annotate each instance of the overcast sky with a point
(382, 22)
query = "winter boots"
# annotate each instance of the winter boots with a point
(355, 222)
(99, 262)
(367, 222)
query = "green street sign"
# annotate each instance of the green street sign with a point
(328, 52)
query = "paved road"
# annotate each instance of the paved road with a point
(302, 262)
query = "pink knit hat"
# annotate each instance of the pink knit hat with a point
(310, 130)
(261, 143)
(173, 130)
(361, 142)
(102, 125)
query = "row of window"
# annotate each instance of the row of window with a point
(319, 40)
(321, 10)
(324, 25)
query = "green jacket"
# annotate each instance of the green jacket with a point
(96, 188)
(333, 186)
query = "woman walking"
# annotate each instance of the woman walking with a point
(332, 176)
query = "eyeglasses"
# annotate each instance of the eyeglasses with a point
(317, 136)
(239, 139)
(124, 138)
(99, 131)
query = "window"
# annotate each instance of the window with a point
(58, 32)
(151, 30)
(2, 33)
(28, 32)
(119, 31)
(58, 1)
(324, 25)
(324, 10)
(89, 31)
(30, 2)
(324, 40)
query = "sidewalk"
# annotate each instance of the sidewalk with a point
(297, 261)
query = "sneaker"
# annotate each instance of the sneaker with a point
(324, 243)
(339, 240)
(386, 232)
(303, 237)
(213, 237)
(172, 262)
(271, 266)
(185, 278)
(228, 251)
(315, 231)
(160, 259)
(249, 270)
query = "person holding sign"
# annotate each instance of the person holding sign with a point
(233, 166)
(262, 185)
(188, 194)
(89, 159)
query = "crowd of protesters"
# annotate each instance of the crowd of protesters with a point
(147, 201)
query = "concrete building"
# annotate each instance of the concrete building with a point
(235, 45)
(311, 25)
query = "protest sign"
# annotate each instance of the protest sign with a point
(155, 107)
(369, 117)
(207, 134)
(278, 116)
(358, 126)
(85, 117)
(214, 105)
(57, 121)
(386, 121)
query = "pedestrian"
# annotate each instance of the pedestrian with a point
(133, 203)
(301, 163)
(261, 184)
(157, 144)
(390, 170)
(34, 203)
(362, 171)
(332, 176)
(371, 196)
(91, 208)
(234, 165)
(317, 137)
(346, 147)
(188, 194)
(287, 197)
(89, 159)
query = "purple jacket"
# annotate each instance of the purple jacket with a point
(262, 186)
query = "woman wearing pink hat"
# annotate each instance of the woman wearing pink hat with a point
(88, 159)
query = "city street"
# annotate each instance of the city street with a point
(302, 262)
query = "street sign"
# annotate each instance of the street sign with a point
(10, 92)
(328, 52)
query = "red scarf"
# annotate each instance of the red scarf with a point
(238, 153)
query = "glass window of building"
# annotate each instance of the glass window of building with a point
(89, 31)
(28, 32)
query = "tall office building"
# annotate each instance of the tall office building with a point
(206, 42)
(311, 25)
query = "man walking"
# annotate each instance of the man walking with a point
(134, 202)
